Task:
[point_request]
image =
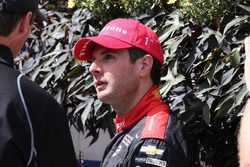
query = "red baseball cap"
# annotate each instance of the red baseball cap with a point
(121, 34)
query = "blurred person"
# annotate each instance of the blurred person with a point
(244, 135)
(126, 59)
(33, 128)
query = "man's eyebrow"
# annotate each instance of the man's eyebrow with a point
(107, 50)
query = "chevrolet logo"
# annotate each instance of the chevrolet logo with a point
(151, 150)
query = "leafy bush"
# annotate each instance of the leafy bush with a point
(203, 81)
(206, 10)
(202, 76)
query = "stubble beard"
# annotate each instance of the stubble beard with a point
(121, 95)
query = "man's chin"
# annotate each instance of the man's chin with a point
(103, 97)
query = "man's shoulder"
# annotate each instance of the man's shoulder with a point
(34, 88)
(36, 95)
(156, 123)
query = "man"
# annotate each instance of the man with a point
(33, 128)
(126, 59)
(244, 136)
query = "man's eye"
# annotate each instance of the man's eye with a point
(108, 57)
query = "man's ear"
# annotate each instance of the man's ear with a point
(145, 65)
(24, 25)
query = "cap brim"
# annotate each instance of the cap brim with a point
(84, 46)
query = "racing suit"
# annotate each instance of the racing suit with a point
(147, 136)
(52, 139)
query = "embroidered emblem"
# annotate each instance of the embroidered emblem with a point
(148, 39)
(120, 124)
(151, 123)
(140, 161)
(116, 29)
(84, 48)
(151, 161)
(127, 140)
(156, 162)
(151, 150)
(117, 151)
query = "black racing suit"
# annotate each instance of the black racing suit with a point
(148, 136)
(52, 139)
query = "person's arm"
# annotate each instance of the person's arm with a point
(52, 136)
(57, 146)
(244, 135)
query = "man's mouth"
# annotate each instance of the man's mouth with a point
(100, 84)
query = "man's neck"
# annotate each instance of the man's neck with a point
(5, 41)
(126, 105)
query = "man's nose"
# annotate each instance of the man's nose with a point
(94, 68)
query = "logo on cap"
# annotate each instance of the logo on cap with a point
(116, 29)
(84, 48)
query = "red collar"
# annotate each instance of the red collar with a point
(149, 101)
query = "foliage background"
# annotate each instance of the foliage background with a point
(202, 77)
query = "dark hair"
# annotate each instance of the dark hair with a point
(9, 22)
(136, 53)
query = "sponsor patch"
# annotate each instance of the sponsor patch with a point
(140, 160)
(117, 151)
(151, 150)
(127, 140)
(120, 124)
(156, 162)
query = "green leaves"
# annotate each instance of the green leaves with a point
(235, 22)
(170, 26)
(203, 77)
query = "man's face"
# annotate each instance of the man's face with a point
(115, 78)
